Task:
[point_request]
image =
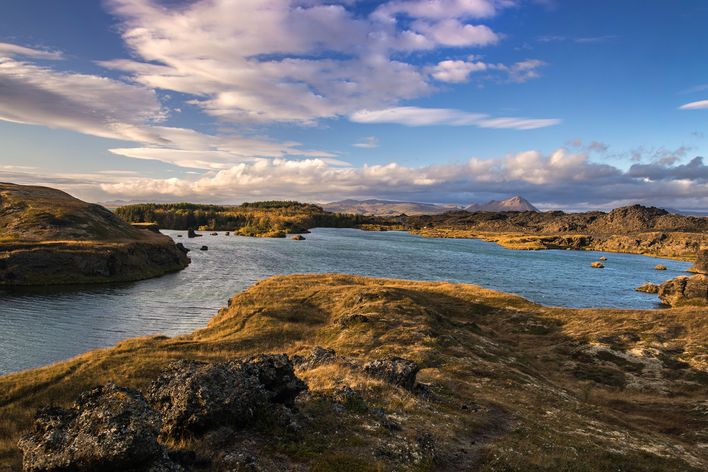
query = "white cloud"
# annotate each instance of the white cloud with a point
(292, 61)
(10, 50)
(89, 104)
(369, 142)
(459, 71)
(561, 176)
(417, 116)
(695, 105)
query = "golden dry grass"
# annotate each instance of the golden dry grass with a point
(516, 386)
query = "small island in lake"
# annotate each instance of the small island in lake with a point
(48, 237)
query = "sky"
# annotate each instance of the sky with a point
(569, 103)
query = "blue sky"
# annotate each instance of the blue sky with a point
(572, 104)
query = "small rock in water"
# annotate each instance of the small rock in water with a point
(214, 234)
(648, 288)
(660, 267)
(204, 248)
(603, 258)
(597, 265)
(298, 237)
(192, 234)
(227, 233)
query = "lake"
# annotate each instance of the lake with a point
(44, 325)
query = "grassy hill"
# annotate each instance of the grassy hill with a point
(508, 384)
(50, 237)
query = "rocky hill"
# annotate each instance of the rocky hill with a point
(515, 203)
(337, 372)
(633, 229)
(50, 237)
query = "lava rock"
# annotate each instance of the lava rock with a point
(660, 267)
(597, 265)
(701, 265)
(396, 371)
(195, 397)
(353, 319)
(317, 357)
(109, 428)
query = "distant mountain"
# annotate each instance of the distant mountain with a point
(515, 203)
(386, 207)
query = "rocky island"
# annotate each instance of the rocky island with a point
(338, 372)
(48, 237)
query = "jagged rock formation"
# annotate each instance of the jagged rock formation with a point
(48, 237)
(685, 291)
(701, 265)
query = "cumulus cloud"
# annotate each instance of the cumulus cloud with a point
(702, 104)
(459, 71)
(563, 177)
(293, 61)
(417, 116)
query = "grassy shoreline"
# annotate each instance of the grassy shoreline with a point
(572, 378)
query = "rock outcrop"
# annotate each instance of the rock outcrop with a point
(648, 288)
(396, 371)
(48, 237)
(701, 265)
(109, 428)
(685, 291)
(194, 397)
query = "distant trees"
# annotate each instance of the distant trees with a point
(251, 219)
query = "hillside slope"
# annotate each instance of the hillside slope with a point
(50, 237)
(515, 203)
(504, 384)
(386, 207)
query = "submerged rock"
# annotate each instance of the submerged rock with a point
(597, 265)
(109, 428)
(395, 370)
(684, 290)
(204, 248)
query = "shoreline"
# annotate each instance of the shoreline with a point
(292, 313)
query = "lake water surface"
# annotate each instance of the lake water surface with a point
(40, 326)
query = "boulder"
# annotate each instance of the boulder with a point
(318, 356)
(109, 428)
(685, 291)
(195, 397)
(701, 265)
(660, 267)
(648, 288)
(298, 237)
(395, 370)
(597, 265)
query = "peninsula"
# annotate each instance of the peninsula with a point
(48, 237)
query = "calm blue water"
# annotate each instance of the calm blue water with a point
(40, 326)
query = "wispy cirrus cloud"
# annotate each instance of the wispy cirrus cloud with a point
(370, 142)
(701, 104)
(418, 116)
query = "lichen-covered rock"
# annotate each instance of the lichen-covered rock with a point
(275, 373)
(682, 291)
(396, 371)
(195, 397)
(317, 357)
(109, 428)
